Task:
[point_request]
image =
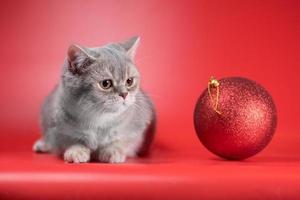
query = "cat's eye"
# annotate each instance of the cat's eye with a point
(105, 84)
(129, 82)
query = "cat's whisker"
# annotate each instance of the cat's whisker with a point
(153, 95)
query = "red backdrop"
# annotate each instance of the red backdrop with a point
(183, 43)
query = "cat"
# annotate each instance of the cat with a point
(98, 110)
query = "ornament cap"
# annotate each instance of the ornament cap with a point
(214, 82)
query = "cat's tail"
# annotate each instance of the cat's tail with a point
(41, 146)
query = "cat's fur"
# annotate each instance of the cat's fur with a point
(80, 120)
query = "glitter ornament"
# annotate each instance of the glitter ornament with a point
(235, 118)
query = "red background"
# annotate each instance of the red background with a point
(183, 43)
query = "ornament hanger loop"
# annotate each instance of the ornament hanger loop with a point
(214, 83)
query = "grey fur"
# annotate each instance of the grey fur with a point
(82, 121)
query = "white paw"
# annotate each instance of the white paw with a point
(77, 154)
(111, 155)
(41, 146)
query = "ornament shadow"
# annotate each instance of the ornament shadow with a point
(262, 159)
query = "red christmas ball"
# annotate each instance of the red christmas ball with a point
(235, 118)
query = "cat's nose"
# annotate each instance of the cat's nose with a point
(123, 95)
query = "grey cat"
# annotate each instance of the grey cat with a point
(98, 111)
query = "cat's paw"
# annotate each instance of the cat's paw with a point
(111, 155)
(77, 154)
(40, 146)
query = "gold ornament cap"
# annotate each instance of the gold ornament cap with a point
(214, 83)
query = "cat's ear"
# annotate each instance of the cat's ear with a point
(131, 45)
(78, 59)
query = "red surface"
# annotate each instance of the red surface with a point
(183, 43)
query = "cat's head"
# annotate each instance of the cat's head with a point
(103, 79)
